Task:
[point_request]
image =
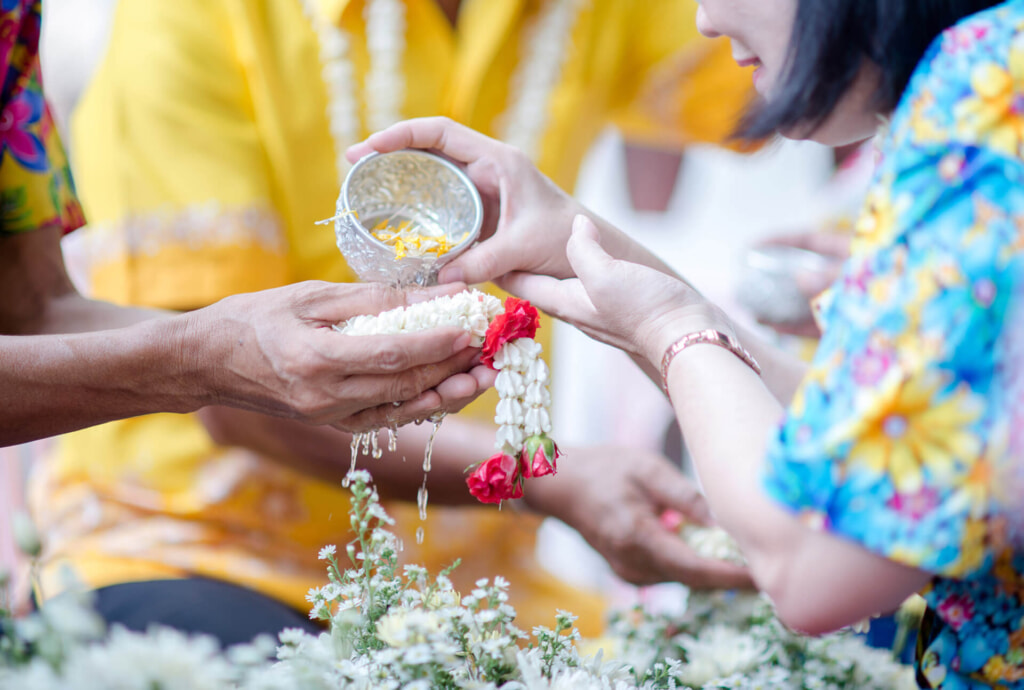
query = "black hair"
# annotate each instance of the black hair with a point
(832, 40)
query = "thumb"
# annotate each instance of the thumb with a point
(486, 261)
(586, 256)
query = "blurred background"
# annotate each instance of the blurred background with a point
(706, 211)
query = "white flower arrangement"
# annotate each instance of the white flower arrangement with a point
(391, 628)
(523, 413)
(524, 399)
(470, 310)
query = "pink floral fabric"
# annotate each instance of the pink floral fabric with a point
(36, 189)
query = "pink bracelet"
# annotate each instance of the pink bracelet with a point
(710, 337)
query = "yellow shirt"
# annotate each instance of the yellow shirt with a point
(204, 156)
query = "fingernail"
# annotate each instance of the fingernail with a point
(452, 274)
(461, 343)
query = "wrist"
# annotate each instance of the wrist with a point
(194, 354)
(671, 328)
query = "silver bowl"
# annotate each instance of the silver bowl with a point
(409, 185)
(768, 284)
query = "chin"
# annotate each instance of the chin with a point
(838, 131)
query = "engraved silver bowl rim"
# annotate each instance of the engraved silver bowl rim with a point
(783, 258)
(474, 193)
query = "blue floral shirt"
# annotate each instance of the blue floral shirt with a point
(903, 435)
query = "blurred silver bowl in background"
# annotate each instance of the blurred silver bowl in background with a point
(427, 190)
(769, 284)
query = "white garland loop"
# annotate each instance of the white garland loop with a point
(544, 54)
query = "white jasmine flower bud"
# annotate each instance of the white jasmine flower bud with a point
(538, 371)
(508, 411)
(529, 348)
(509, 436)
(537, 421)
(504, 385)
(537, 395)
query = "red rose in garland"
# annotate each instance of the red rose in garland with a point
(496, 479)
(539, 456)
(519, 320)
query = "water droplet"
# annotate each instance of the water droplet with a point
(392, 438)
(421, 500)
(419, 535)
(366, 442)
(376, 451)
(354, 447)
(429, 451)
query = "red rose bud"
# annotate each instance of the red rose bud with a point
(495, 479)
(519, 320)
(539, 456)
(672, 520)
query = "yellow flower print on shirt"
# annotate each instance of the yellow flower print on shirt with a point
(878, 220)
(973, 547)
(924, 128)
(911, 429)
(996, 113)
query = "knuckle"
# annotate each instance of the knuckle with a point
(360, 422)
(620, 536)
(391, 359)
(308, 404)
(406, 387)
(486, 262)
(516, 157)
(376, 297)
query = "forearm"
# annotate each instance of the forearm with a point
(73, 313)
(325, 452)
(58, 383)
(727, 415)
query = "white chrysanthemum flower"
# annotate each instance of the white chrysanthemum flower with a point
(720, 652)
(72, 617)
(161, 658)
(402, 628)
(327, 552)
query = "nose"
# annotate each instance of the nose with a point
(704, 24)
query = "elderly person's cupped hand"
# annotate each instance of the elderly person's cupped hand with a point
(279, 355)
(615, 496)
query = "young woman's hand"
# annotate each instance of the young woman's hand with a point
(630, 306)
(526, 216)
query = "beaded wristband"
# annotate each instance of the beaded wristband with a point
(710, 337)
